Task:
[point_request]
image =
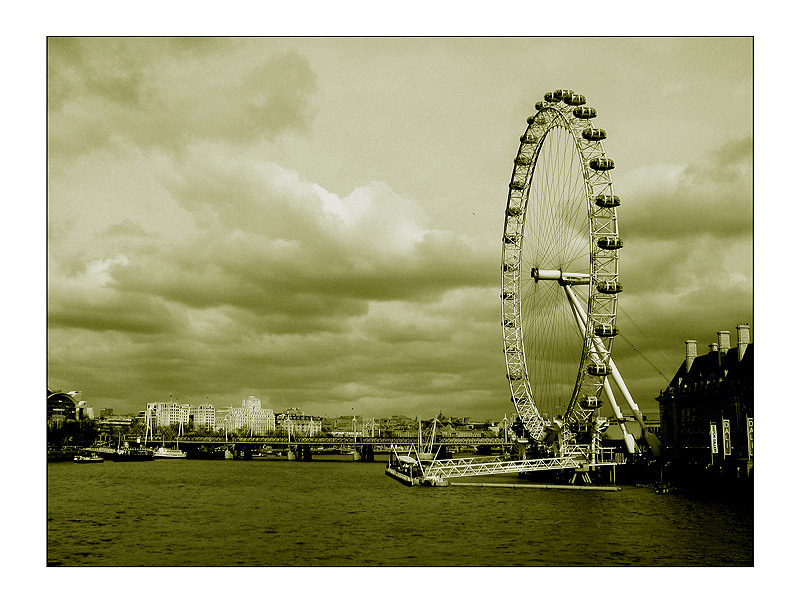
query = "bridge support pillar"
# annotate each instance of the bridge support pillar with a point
(305, 452)
(368, 453)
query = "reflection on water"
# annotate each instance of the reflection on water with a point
(340, 513)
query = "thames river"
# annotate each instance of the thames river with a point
(335, 512)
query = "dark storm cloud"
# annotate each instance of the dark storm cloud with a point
(692, 232)
(714, 197)
(76, 70)
(131, 313)
(297, 286)
(200, 47)
(126, 230)
(116, 91)
(276, 96)
(318, 370)
(84, 300)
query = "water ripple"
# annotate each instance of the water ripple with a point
(328, 513)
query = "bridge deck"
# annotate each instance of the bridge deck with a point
(338, 441)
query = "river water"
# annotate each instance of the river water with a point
(335, 512)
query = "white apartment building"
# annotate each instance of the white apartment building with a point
(203, 416)
(164, 414)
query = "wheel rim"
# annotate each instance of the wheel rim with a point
(553, 223)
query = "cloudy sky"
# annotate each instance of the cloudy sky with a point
(317, 222)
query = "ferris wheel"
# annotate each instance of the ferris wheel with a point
(560, 273)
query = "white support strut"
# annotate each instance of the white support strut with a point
(630, 444)
(652, 441)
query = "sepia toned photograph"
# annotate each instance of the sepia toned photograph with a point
(400, 302)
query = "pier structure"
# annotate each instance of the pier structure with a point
(583, 462)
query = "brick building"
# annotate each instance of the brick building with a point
(713, 392)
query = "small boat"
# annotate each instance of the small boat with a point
(164, 452)
(88, 458)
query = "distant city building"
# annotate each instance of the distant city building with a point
(708, 405)
(63, 406)
(296, 422)
(203, 416)
(361, 425)
(141, 419)
(166, 414)
(402, 421)
(251, 403)
(221, 420)
(114, 421)
(250, 418)
(83, 411)
(106, 412)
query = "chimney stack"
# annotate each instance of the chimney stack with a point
(691, 353)
(713, 347)
(743, 336)
(724, 338)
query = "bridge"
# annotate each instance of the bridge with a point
(364, 446)
(338, 441)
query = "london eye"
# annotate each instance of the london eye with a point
(560, 274)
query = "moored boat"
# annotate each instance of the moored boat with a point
(164, 452)
(88, 458)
